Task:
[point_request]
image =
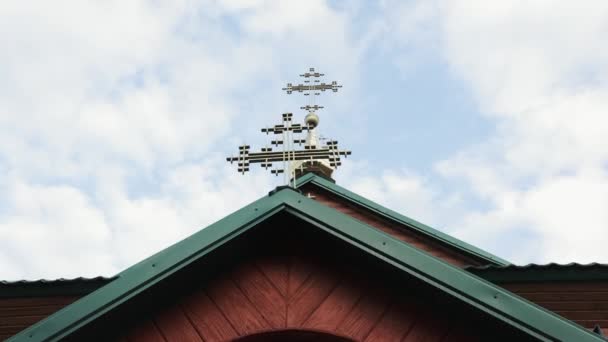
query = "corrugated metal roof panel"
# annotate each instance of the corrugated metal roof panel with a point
(540, 266)
(52, 287)
(55, 281)
(542, 272)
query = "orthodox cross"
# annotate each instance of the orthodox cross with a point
(294, 162)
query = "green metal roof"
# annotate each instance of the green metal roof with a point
(401, 219)
(51, 287)
(467, 287)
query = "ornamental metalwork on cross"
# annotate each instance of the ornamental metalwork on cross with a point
(297, 155)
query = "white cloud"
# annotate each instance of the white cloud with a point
(191, 197)
(515, 54)
(54, 230)
(63, 231)
(540, 69)
(111, 115)
(402, 190)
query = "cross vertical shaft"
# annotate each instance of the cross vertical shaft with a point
(313, 157)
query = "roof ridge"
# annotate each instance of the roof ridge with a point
(407, 221)
(485, 296)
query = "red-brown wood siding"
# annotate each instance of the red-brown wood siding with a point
(293, 336)
(302, 290)
(17, 314)
(585, 303)
(397, 230)
(288, 276)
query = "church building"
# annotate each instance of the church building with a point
(313, 261)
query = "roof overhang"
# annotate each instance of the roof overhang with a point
(489, 298)
(396, 217)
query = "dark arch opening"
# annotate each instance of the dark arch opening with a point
(293, 335)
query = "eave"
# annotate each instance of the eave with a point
(394, 216)
(542, 273)
(54, 287)
(467, 287)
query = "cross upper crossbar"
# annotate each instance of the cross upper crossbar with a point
(313, 156)
(334, 86)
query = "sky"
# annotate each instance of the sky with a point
(485, 119)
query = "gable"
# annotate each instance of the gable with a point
(403, 228)
(211, 247)
(276, 284)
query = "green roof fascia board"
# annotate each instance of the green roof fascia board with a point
(402, 219)
(152, 270)
(490, 298)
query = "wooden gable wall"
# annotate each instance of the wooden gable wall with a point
(294, 280)
(585, 303)
(302, 281)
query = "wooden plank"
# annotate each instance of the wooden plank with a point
(395, 323)
(336, 307)
(428, 327)
(364, 316)
(29, 310)
(299, 271)
(590, 323)
(566, 296)
(585, 315)
(37, 301)
(462, 333)
(450, 259)
(275, 268)
(175, 326)
(600, 286)
(145, 331)
(207, 318)
(308, 298)
(398, 231)
(24, 321)
(263, 295)
(243, 316)
(571, 306)
(10, 329)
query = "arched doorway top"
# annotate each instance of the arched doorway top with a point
(294, 335)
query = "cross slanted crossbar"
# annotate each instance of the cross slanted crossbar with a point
(291, 158)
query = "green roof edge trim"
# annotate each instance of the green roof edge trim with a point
(475, 291)
(395, 216)
(150, 271)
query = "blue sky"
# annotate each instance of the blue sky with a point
(484, 119)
